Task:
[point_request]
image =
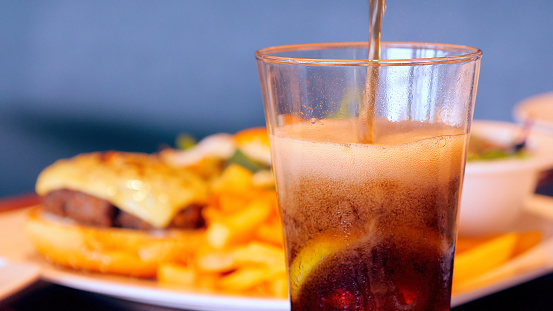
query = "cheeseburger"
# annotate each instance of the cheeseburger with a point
(116, 212)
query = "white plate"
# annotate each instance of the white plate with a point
(14, 245)
(151, 293)
(538, 108)
(15, 276)
(535, 263)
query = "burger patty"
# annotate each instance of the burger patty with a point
(92, 211)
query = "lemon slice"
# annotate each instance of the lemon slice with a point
(313, 253)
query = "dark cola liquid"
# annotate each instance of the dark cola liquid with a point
(392, 275)
(369, 226)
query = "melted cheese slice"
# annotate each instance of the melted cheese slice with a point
(139, 184)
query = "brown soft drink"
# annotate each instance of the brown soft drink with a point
(369, 226)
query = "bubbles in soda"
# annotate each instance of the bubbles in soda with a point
(369, 226)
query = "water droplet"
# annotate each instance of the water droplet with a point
(442, 142)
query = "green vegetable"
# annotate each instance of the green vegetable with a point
(243, 160)
(482, 149)
(185, 141)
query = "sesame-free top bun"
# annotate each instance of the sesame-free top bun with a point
(118, 251)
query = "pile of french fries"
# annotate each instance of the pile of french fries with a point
(243, 250)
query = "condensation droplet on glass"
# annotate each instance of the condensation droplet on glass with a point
(442, 142)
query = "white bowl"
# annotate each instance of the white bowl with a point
(494, 191)
(537, 109)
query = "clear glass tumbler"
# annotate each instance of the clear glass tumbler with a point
(369, 158)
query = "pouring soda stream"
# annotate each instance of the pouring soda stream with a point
(367, 113)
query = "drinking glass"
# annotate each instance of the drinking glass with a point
(369, 158)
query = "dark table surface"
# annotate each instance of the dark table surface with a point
(535, 295)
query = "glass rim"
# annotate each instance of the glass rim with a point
(468, 54)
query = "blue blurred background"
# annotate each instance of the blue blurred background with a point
(81, 76)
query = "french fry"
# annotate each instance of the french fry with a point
(483, 258)
(279, 286)
(244, 279)
(173, 274)
(230, 202)
(256, 253)
(270, 233)
(234, 178)
(467, 243)
(218, 234)
(208, 281)
(239, 225)
(525, 241)
(215, 260)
